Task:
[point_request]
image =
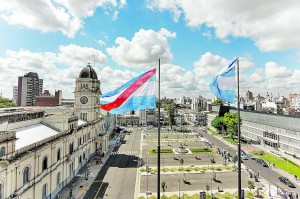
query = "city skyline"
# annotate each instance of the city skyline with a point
(122, 39)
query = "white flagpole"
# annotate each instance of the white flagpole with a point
(239, 134)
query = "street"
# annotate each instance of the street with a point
(263, 171)
(118, 176)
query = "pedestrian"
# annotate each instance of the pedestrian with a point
(257, 175)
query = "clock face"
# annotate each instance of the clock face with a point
(83, 100)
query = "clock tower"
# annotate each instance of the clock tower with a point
(87, 93)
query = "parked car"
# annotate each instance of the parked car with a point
(262, 162)
(244, 157)
(286, 181)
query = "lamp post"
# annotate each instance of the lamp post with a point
(147, 168)
(179, 188)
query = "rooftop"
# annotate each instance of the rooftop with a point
(31, 134)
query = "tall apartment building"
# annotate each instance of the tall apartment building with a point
(199, 102)
(15, 94)
(29, 87)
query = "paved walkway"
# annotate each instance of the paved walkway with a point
(80, 184)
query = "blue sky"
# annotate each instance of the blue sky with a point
(194, 39)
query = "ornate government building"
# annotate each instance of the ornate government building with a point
(42, 149)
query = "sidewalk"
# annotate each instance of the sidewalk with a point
(79, 184)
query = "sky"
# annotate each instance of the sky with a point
(194, 39)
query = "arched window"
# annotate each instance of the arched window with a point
(58, 179)
(58, 154)
(44, 191)
(45, 163)
(26, 175)
(2, 151)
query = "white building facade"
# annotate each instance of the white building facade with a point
(40, 154)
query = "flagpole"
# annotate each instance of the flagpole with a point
(239, 133)
(158, 135)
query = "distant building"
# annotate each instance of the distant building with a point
(29, 87)
(198, 103)
(249, 96)
(46, 99)
(294, 100)
(15, 94)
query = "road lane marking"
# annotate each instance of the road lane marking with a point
(98, 190)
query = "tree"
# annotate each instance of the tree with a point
(231, 122)
(181, 162)
(4, 102)
(171, 110)
(218, 122)
(217, 102)
(164, 187)
(251, 185)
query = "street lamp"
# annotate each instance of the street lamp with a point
(147, 168)
(179, 188)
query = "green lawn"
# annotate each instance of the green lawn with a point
(154, 151)
(280, 163)
(213, 131)
(201, 150)
(235, 141)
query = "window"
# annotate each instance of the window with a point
(58, 179)
(83, 156)
(58, 154)
(2, 151)
(25, 175)
(44, 191)
(79, 160)
(45, 163)
(71, 148)
(1, 191)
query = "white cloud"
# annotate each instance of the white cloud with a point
(269, 23)
(48, 16)
(58, 70)
(78, 55)
(166, 33)
(101, 42)
(163, 5)
(210, 64)
(143, 51)
(274, 70)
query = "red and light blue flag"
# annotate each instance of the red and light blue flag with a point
(137, 94)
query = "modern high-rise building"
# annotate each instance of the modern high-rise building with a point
(29, 87)
(15, 94)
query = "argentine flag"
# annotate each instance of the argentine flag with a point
(223, 85)
(136, 94)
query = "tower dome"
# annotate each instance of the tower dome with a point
(88, 72)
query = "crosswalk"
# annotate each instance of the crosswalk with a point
(124, 152)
